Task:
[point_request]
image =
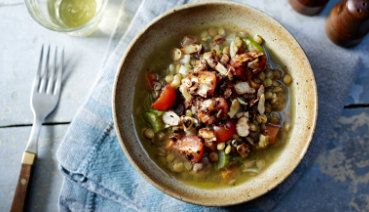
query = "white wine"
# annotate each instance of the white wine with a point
(72, 13)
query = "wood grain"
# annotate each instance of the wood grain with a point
(308, 7)
(23, 185)
(348, 22)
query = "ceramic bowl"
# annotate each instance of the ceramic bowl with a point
(277, 39)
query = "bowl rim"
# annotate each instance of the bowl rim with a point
(119, 71)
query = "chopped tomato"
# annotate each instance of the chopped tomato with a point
(212, 110)
(226, 131)
(166, 99)
(262, 63)
(241, 73)
(151, 78)
(191, 146)
(261, 66)
(272, 132)
(211, 145)
(240, 60)
(228, 173)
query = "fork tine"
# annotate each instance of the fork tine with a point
(45, 73)
(50, 80)
(59, 74)
(36, 82)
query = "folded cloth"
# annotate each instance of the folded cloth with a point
(98, 177)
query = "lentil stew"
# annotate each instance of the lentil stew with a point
(209, 110)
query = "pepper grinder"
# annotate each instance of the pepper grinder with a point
(308, 7)
(348, 22)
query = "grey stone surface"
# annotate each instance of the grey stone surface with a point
(339, 178)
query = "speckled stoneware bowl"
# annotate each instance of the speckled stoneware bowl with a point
(277, 39)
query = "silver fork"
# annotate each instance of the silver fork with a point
(44, 98)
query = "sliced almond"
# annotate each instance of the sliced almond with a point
(204, 89)
(207, 134)
(221, 69)
(200, 67)
(170, 118)
(241, 114)
(243, 127)
(261, 90)
(227, 93)
(191, 48)
(256, 53)
(241, 101)
(186, 95)
(224, 59)
(261, 104)
(243, 88)
(209, 58)
(233, 49)
(235, 106)
(240, 59)
(218, 41)
(188, 39)
(253, 64)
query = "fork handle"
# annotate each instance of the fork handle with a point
(24, 182)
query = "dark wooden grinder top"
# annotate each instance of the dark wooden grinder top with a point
(348, 22)
(308, 7)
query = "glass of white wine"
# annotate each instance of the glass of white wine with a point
(75, 17)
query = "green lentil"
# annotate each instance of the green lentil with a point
(268, 82)
(170, 157)
(178, 167)
(274, 118)
(277, 74)
(254, 127)
(149, 133)
(268, 95)
(262, 76)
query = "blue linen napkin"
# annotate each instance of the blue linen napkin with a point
(97, 175)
